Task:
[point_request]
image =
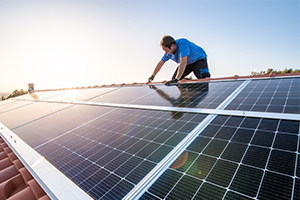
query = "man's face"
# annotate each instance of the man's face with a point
(170, 50)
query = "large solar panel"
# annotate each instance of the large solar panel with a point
(147, 147)
(201, 95)
(236, 158)
(112, 150)
(271, 95)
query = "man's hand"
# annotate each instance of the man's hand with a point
(150, 79)
(171, 82)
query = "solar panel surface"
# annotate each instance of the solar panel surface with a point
(201, 95)
(82, 95)
(238, 157)
(109, 151)
(272, 95)
(23, 112)
(112, 149)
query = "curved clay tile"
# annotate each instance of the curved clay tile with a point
(15, 180)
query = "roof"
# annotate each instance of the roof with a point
(235, 77)
(15, 180)
(224, 138)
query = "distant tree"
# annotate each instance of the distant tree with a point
(23, 92)
(16, 93)
(2, 98)
(270, 70)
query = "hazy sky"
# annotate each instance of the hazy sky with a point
(57, 44)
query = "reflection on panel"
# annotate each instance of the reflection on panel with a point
(199, 95)
(57, 123)
(272, 95)
(253, 157)
(40, 95)
(82, 94)
(196, 95)
(5, 103)
(107, 151)
(124, 94)
(28, 111)
(8, 105)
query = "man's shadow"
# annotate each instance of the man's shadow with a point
(190, 96)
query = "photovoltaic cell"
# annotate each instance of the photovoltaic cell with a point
(271, 95)
(210, 192)
(276, 186)
(251, 165)
(107, 151)
(247, 180)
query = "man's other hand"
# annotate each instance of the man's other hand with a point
(171, 82)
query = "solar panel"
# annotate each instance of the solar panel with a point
(271, 95)
(23, 112)
(217, 167)
(199, 95)
(141, 142)
(116, 148)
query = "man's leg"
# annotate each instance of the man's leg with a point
(200, 69)
(175, 73)
(186, 72)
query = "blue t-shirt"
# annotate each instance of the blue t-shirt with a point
(185, 48)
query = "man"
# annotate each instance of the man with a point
(191, 58)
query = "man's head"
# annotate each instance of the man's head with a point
(168, 44)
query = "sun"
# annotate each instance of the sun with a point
(59, 62)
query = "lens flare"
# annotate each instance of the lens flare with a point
(179, 162)
(71, 95)
(126, 131)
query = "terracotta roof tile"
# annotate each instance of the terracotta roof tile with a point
(15, 180)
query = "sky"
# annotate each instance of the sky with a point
(61, 44)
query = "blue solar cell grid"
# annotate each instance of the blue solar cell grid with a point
(107, 151)
(235, 158)
(271, 95)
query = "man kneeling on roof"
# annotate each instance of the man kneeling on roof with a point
(191, 58)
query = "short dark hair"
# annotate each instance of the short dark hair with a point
(167, 41)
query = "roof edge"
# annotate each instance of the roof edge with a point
(235, 77)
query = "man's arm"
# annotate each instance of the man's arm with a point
(180, 71)
(181, 67)
(156, 70)
(158, 67)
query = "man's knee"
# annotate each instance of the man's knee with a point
(205, 75)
